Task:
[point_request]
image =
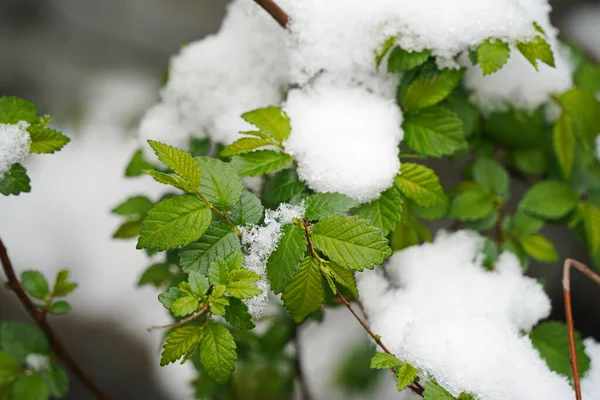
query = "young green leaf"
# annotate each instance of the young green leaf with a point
(35, 284)
(405, 375)
(539, 247)
(9, 367)
(321, 205)
(46, 140)
(492, 55)
(174, 222)
(434, 131)
(60, 307)
(19, 340)
(217, 242)
(15, 181)
(56, 380)
(218, 272)
(305, 293)
(466, 396)
(217, 352)
(401, 60)
(14, 109)
(430, 87)
(433, 391)
(157, 275)
(491, 175)
(285, 259)
(385, 361)
(524, 224)
(137, 165)
(271, 121)
(220, 184)
(342, 276)
(260, 162)
(248, 210)
(169, 296)
(384, 212)
(198, 283)
(128, 230)
(420, 184)
(180, 342)
(472, 204)
(30, 387)
(179, 161)
(242, 275)
(549, 199)
(242, 289)
(171, 180)
(244, 145)
(137, 206)
(350, 242)
(531, 161)
(184, 306)
(384, 49)
(537, 49)
(237, 315)
(62, 285)
(564, 143)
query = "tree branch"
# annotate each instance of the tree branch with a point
(304, 389)
(181, 322)
(39, 318)
(569, 314)
(275, 11)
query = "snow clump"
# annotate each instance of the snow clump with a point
(14, 145)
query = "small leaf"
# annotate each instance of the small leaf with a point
(433, 391)
(62, 285)
(60, 307)
(217, 352)
(128, 230)
(384, 49)
(46, 140)
(321, 205)
(420, 184)
(137, 165)
(539, 247)
(305, 293)
(217, 242)
(29, 387)
(238, 316)
(248, 210)
(405, 375)
(19, 340)
(14, 109)
(220, 184)
(383, 213)
(401, 60)
(35, 284)
(285, 259)
(15, 181)
(385, 361)
(271, 121)
(179, 161)
(200, 147)
(9, 368)
(243, 289)
(179, 342)
(525, 224)
(531, 161)
(57, 380)
(472, 204)
(198, 283)
(168, 297)
(184, 306)
(241, 275)
(537, 49)
(134, 206)
(549, 199)
(284, 187)
(157, 275)
(492, 55)
(564, 143)
(344, 277)
(430, 87)
(218, 272)
(244, 145)
(491, 175)
(260, 162)
(434, 131)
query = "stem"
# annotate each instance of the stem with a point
(275, 11)
(184, 321)
(313, 253)
(220, 213)
(40, 319)
(569, 314)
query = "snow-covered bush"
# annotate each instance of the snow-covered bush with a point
(293, 143)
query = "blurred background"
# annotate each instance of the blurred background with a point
(96, 65)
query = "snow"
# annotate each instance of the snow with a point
(14, 145)
(344, 138)
(161, 123)
(37, 362)
(440, 310)
(260, 242)
(590, 384)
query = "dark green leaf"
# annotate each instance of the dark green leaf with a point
(167, 298)
(200, 147)
(198, 283)
(57, 381)
(35, 284)
(137, 165)
(285, 260)
(15, 181)
(19, 340)
(525, 224)
(591, 223)
(516, 128)
(305, 293)
(9, 367)
(128, 230)
(549, 199)
(217, 242)
(531, 161)
(321, 205)
(472, 204)
(220, 184)
(434, 131)
(238, 316)
(217, 352)
(384, 212)
(284, 186)
(157, 275)
(564, 143)
(29, 387)
(430, 87)
(491, 175)
(60, 307)
(401, 60)
(248, 210)
(134, 206)
(260, 162)
(433, 391)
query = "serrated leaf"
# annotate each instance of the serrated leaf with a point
(128, 230)
(344, 277)
(168, 297)
(537, 49)
(472, 204)
(248, 210)
(420, 184)
(9, 367)
(242, 274)
(350, 242)
(525, 224)
(430, 87)
(19, 340)
(157, 275)
(56, 380)
(260, 162)
(285, 259)
(134, 206)
(46, 140)
(185, 305)
(218, 272)
(305, 293)
(540, 248)
(591, 223)
(271, 121)
(62, 285)
(35, 284)
(242, 289)
(584, 111)
(321, 205)
(401, 60)
(284, 187)
(383, 213)
(200, 147)
(179, 161)
(30, 387)
(491, 175)
(137, 165)
(15, 181)
(14, 109)
(217, 242)
(220, 184)
(171, 180)
(198, 283)
(60, 307)
(384, 49)
(492, 55)
(244, 145)
(564, 143)
(238, 316)
(549, 199)
(434, 131)
(551, 340)
(174, 222)
(179, 342)
(405, 375)
(385, 361)
(433, 391)
(217, 352)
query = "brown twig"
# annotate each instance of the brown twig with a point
(181, 322)
(39, 318)
(569, 314)
(275, 11)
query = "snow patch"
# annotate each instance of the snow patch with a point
(14, 145)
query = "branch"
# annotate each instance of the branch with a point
(569, 314)
(181, 322)
(304, 389)
(39, 318)
(275, 11)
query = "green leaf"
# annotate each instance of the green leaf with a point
(242, 275)
(220, 184)
(248, 210)
(198, 283)
(383, 213)
(62, 285)
(35, 284)
(137, 165)
(14, 109)
(343, 276)
(60, 307)
(537, 49)
(46, 140)
(15, 181)
(134, 206)
(459, 102)
(434, 131)
(260, 162)
(525, 224)
(174, 222)
(587, 77)
(29, 387)
(217, 242)
(284, 187)
(184, 306)
(420, 184)
(305, 293)
(539, 247)
(9, 367)
(244, 145)
(516, 128)
(405, 375)
(591, 223)
(549, 199)
(217, 352)
(285, 259)
(271, 121)
(218, 272)
(564, 143)
(157, 275)
(401, 60)
(472, 204)
(321, 205)
(168, 297)
(385, 361)
(238, 316)
(433, 391)
(128, 230)
(179, 161)
(350, 242)
(531, 161)
(199, 147)
(243, 289)
(552, 342)
(491, 175)
(169, 179)
(430, 87)
(180, 342)
(466, 396)
(56, 380)
(384, 49)
(492, 55)
(19, 340)
(518, 251)
(584, 111)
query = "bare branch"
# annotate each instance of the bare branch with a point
(182, 322)
(275, 11)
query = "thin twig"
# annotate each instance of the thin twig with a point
(181, 322)
(220, 213)
(569, 314)
(275, 11)
(39, 318)
(304, 389)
